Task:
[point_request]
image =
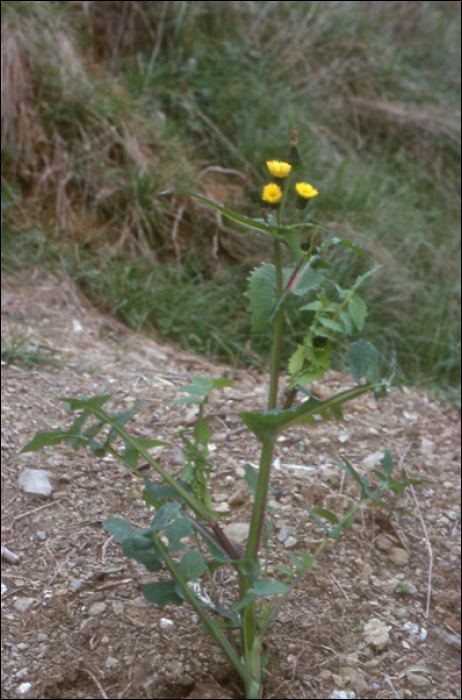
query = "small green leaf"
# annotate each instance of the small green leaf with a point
(387, 462)
(326, 514)
(169, 511)
(119, 528)
(250, 569)
(188, 399)
(45, 439)
(307, 559)
(296, 562)
(179, 528)
(142, 548)
(161, 593)
(221, 383)
(333, 325)
(251, 477)
(363, 360)
(83, 402)
(285, 570)
(192, 565)
(269, 588)
(202, 432)
(358, 310)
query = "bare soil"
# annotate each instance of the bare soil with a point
(74, 621)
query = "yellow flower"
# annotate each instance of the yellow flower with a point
(278, 169)
(272, 194)
(305, 190)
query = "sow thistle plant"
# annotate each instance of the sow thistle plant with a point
(185, 535)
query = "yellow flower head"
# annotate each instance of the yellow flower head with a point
(278, 169)
(305, 190)
(272, 194)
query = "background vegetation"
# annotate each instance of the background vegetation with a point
(105, 104)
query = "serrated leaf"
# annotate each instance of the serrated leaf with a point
(296, 361)
(333, 325)
(387, 462)
(262, 295)
(358, 310)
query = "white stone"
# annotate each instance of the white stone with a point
(35, 481)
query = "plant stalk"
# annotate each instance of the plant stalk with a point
(277, 332)
(252, 683)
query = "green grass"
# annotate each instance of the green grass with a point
(110, 117)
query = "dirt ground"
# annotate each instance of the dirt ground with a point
(379, 618)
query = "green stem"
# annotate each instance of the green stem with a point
(277, 332)
(261, 492)
(252, 683)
